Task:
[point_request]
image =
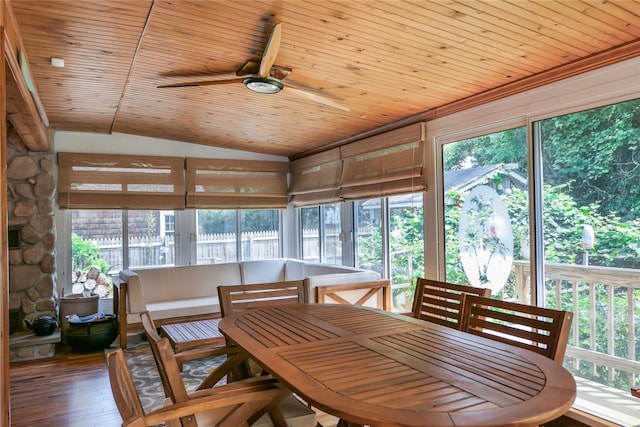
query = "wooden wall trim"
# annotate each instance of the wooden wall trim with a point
(580, 66)
(599, 60)
(5, 390)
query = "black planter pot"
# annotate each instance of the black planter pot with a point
(92, 336)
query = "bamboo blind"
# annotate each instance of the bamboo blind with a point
(103, 181)
(316, 179)
(231, 184)
(383, 165)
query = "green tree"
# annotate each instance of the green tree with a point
(596, 152)
(508, 146)
(216, 221)
(85, 254)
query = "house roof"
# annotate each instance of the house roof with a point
(464, 179)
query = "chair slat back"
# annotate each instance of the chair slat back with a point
(153, 338)
(372, 288)
(442, 302)
(123, 388)
(168, 367)
(233, 405)
(235, 298)
(543, 330)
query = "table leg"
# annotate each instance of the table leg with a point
(344, 423)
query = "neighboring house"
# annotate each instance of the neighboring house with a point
(503, 178)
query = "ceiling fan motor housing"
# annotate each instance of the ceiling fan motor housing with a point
(264, 85)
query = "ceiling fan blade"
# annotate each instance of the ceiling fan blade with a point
(270, 51)
(314, 95)
(205, 83)
(248, 68)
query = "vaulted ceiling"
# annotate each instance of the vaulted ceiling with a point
(356, 66)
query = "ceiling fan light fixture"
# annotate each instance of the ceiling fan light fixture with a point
(263, 85)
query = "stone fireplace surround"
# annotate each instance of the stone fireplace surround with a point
(32, 285)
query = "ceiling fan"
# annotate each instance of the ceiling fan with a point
(263, 76)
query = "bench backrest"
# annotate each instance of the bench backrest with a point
(375, 293)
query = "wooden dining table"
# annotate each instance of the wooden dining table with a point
(372, 367)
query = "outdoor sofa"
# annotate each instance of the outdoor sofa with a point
(181, 293)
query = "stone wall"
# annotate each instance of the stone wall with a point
(30, 196)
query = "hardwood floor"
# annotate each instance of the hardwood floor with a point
(70, 390)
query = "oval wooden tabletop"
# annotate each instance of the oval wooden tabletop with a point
(374, 367)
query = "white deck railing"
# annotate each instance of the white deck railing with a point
(597, 286)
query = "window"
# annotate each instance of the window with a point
(147, 246)
(486, 217)
(168, 223)
(406, 247)
(310, 233)
(370, 218)
(96, 240)
(321, 231)
(390, 233)
(114, 239)
(569, 184)
(260, 234)
(330, 233)
(230, 235)
(591, 207)
(217, 236)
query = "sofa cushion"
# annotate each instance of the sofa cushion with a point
(261, 271)
(184, 307)
(294, 269)
(177, 283)
(342, 278)
(316, 269)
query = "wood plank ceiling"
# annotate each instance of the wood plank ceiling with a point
(383, 60)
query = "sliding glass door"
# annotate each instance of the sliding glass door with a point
(486, 211)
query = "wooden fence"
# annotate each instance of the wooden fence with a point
(211, 248)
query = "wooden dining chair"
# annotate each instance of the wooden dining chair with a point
(243, 297)
(234, 298)
(342, 294)
(232, 405)
(442, 302)
(288, 411)
(543, 330)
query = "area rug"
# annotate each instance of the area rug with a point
(147, 380)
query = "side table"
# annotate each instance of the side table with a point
(193, 340)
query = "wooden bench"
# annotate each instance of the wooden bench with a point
(379, 288)
(193, 340)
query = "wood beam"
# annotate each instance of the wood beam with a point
(23, 106)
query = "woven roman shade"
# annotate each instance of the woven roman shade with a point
(315, 179)
(384, 165)
(111, 181)
(236, 184)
